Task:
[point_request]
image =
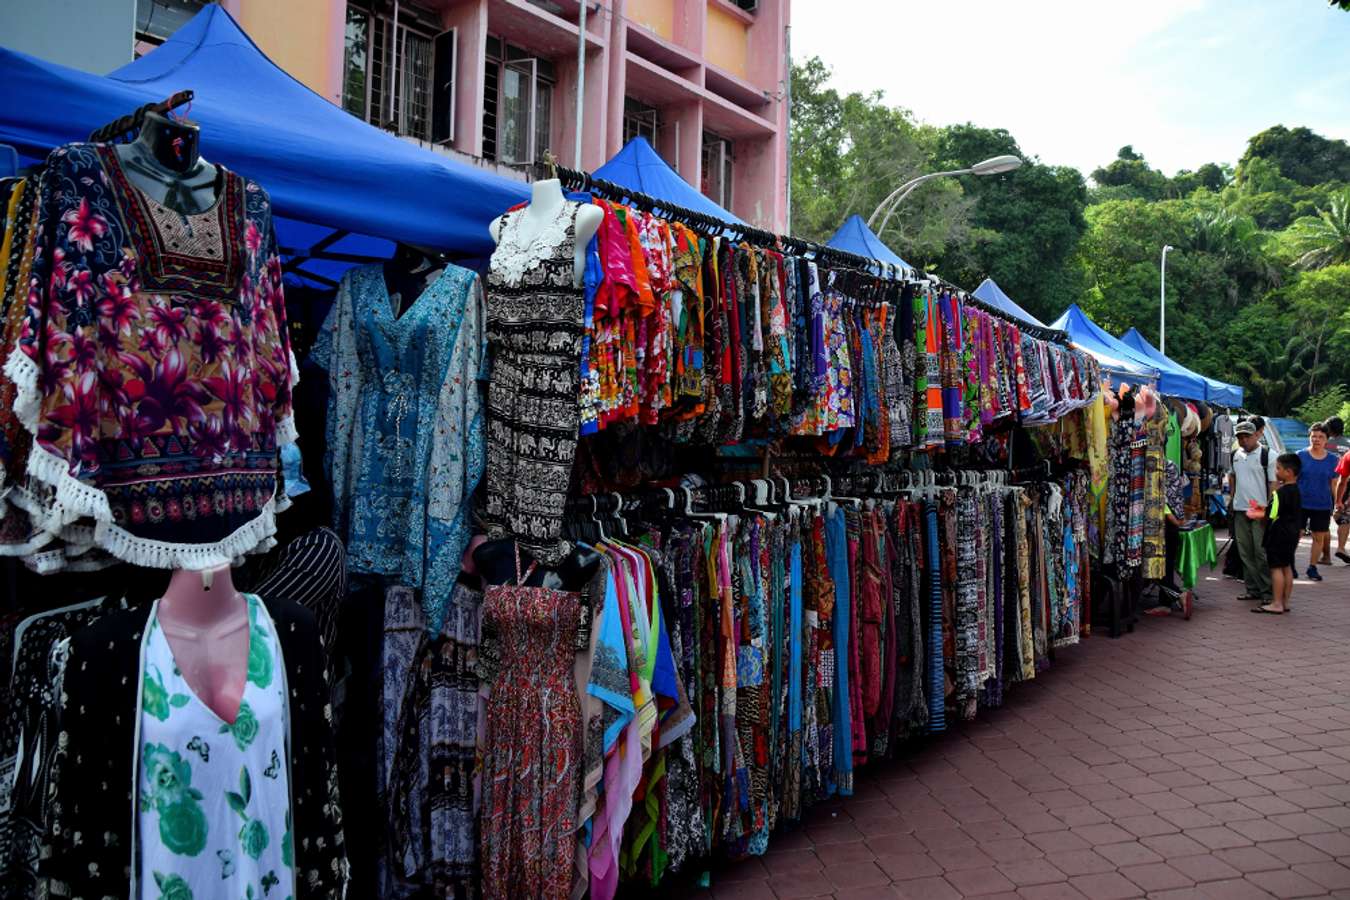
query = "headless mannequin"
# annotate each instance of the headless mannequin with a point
(409, 274)
(165, 163)
(496, 563)
(206, 622)
(546, 197)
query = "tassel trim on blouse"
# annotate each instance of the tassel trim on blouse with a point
(75, 500)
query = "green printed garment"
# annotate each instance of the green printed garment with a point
(213, 802)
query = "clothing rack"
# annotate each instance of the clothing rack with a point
(580, 180)
(777, 490)
(127, 126)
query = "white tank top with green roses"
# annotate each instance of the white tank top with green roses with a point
(214, 797)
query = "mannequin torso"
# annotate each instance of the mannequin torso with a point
(165, 163)
(496, 563)
(545, 198)
(206, 623)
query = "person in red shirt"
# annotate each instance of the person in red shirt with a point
(1342, 510)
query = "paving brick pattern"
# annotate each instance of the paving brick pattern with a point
(1205, 759)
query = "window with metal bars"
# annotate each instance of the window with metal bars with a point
(639, 119)
(390, 72)
(717, 160)
(517, 104)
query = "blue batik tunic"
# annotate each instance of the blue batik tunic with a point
(405, 427)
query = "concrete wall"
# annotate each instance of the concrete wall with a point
(657, 15)
(102, 41)
(304, 37)
(726, 39)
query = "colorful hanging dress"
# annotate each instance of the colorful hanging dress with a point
(532, 757)
(405, 427)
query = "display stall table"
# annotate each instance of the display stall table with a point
(1197, 549)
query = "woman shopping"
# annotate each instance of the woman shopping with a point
(1316, 484)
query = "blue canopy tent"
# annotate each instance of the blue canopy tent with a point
(1173, 379)
(1116, 359)
(638, 167)
(336, 182)
(855, 237)
(1215, 391)
(993, 295)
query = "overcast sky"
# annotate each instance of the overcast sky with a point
(1185, 81)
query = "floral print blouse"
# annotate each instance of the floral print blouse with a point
(154, 368)
(214, 808)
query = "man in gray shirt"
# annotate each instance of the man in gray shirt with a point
(1251, 481)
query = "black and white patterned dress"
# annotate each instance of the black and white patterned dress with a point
(535, 325)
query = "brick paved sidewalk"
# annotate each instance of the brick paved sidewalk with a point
(1208, 758)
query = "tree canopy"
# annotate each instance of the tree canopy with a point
(1258, 284)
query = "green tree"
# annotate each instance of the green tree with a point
(1317, 301)
(1209, 177)
(1130, 174)
(1324, 240)
(1240, 246)
(1278, 382)
(1324, 404)
(1300, 154)
(850, 151)
(1026, 224)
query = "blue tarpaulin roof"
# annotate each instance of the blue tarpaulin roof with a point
(321, 165)
(1116, 358)
(855, 237)
(638, 167)
(1214, 391)
(992, 294)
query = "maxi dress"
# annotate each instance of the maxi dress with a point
(533, 752)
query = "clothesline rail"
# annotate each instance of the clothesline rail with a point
(583, 181)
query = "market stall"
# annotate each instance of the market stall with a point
(1117, 359)
(1176, 378)
(991, 293)
(640, 544)
(854, 236)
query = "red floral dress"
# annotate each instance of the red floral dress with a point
(533, 742)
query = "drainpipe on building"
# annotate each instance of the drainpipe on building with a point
(581, 80)
(393, 78)
(787, 128)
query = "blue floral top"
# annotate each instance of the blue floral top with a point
(405, 427)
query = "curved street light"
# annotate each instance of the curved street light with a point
(996, 165)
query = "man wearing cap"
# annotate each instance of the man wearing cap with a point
(1251, 482)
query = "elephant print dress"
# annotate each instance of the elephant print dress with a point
(214, 813)
(535, 326)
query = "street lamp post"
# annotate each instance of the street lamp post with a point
(993, 166)
(1162, 305)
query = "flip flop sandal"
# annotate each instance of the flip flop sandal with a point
(1268, 612)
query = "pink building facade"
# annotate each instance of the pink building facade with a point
(495, 81)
